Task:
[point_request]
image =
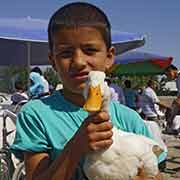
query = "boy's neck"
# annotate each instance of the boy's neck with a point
(74, 98)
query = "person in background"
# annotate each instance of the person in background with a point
(130, 95)
(54, 134)
(45, 82)
(150, 102)
(116, 91)
(36, 88)
(139, 100)
(20, 94)
(151, 113)
(173, 74)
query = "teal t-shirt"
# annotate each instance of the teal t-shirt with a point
(46, 125)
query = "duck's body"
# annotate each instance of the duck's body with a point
(128, 152)
(122, 160)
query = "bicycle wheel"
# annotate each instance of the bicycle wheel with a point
(2, 98)
(19, 173)
(4, 170)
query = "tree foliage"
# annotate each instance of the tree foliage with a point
(10, 75)
(51, 76)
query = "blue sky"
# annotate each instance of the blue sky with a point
(158, 20)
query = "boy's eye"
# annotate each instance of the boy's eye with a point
(90, 51)
(64, 54)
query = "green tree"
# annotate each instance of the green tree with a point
(51, 76)
(10, 74)
(137, 81)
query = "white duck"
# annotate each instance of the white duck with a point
(128, 151)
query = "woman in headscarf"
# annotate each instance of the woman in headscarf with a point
(36, 85)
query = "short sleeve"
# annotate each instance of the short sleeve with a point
(137, 125)
(30, 135)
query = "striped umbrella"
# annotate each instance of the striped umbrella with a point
(140, 63)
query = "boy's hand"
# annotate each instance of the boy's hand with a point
(95, 133)
(142, 176)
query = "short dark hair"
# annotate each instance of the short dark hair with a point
(37, 70)
(79, 14)
(172, 67)
(150, 83)
(19, 85)
(127, 83)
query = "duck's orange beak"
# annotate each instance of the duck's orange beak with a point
(94, 99)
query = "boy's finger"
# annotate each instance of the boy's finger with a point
(101, 144)
(101, 117)
(100, 136)
(104, 126)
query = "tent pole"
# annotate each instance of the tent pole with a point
(28, 60)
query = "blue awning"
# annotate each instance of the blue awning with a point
(23, 41)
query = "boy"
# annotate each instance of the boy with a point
(55, 133)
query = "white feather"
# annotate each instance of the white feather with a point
(128, 152)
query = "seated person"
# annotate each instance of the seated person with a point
(36, 88)
(44, 81)
(20, 93)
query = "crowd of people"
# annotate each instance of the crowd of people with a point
(143, 100)
(146, 102)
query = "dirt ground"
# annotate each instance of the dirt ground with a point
(172, 171)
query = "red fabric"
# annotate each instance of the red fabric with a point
(162, 63)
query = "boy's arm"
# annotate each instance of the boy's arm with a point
(37, 164)
(95, 133)
(142, 176)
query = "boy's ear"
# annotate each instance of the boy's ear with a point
(51, 60)
(110, 58)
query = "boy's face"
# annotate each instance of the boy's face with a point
(76, 52)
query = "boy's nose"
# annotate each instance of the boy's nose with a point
(79, 61)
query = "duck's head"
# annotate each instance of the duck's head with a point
(94, 91)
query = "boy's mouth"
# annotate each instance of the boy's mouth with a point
(79, 76)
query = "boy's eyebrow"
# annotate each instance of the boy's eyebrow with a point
(90, 43)
(63, 46)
